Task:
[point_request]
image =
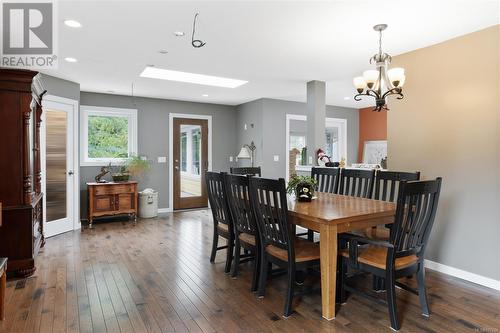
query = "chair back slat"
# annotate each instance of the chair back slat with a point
(357, 183)
(387, 184)
(217, 198)
(327, 178)
(269, 202)
(416, 209)
(238, 199)
(247, 171)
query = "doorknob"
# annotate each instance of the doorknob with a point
(70, 172)
(176, 168)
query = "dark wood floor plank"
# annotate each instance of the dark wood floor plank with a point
(156, 277)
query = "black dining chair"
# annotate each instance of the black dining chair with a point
(327, 182)
(245, 230)
(327, 179)
(223, 225)
(356, 183)
(386, 189)
(278, 242)
(403, 254)
(252, 171)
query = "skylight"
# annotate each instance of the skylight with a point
(208, 80)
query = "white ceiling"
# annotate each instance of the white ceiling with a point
(276, 46)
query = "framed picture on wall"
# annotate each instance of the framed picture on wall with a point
(374, 151)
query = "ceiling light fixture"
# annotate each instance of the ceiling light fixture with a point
(179, 33)
(205, 95)
(380, 82)
(73, 23)
(70, 59)
(162, 51)
(208, 80)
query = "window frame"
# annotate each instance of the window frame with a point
(85, 112)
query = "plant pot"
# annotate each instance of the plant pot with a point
(120, 177)
(304, 192)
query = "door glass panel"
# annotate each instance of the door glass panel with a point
(297, 143)
(190, 148)
(56, 129)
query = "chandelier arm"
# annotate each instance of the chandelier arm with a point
(373, 93)
(393, 91)
(358, 97)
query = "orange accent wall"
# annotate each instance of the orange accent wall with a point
(372, 126)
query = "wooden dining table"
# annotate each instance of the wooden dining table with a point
(331, 214)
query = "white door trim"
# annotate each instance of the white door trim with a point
(171, 150)
(56, 102)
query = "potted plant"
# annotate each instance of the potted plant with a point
(302, 186)
(134, 166)
(121, 175)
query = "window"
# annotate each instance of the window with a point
(196, 135)
(108, 135)
(298, 141)
(183, 151)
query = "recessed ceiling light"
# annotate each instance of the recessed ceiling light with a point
(205, 95)
(208, 80)
(179, 33)
(347, 98)
(110, 91)
(73, 23)
(163, 51)
(69, 59)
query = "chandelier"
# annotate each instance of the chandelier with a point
(381, 82)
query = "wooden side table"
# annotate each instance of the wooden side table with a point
(108, 199)
(3, 286)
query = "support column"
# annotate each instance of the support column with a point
(316, 115)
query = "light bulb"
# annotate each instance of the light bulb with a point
(360, 83)
(370, 76)
(396, 76)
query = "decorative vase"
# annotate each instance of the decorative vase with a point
(304, 192)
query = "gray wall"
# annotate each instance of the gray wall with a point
(153, 117)
(248, 114)
(274, 127)
(61, 88)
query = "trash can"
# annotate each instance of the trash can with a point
(148, 203)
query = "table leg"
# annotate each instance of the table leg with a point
(3, 286)
(328, 253)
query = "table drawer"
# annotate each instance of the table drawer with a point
(114, 189)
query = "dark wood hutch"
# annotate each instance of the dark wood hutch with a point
(21, 233)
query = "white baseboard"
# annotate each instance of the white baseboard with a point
(164, 210)
(464, 275)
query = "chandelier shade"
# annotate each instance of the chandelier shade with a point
(381, 82)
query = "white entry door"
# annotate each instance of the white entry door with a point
(59, 174)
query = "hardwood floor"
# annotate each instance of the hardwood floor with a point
(156, 277)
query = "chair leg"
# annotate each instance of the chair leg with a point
(262, 274)
(256, 270)
(290, 290)
(310, 235)
(422, 293)
(215, 243)
(229, 254)
(390, 284)
(378, 283)
(236, 261)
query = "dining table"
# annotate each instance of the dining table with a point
(332, 214)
